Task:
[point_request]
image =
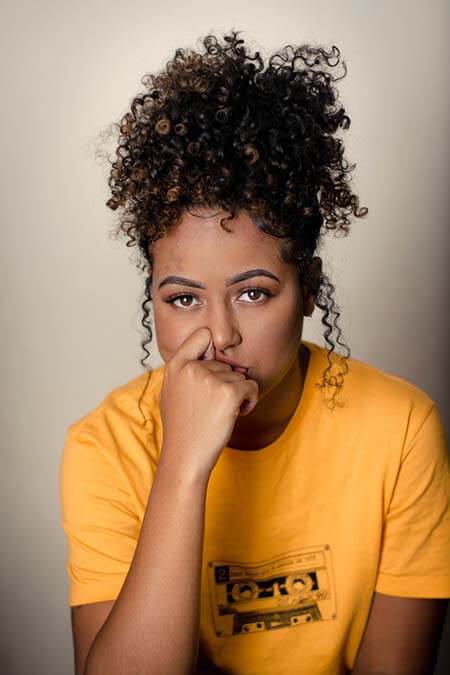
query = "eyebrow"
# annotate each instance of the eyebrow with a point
(228, 282)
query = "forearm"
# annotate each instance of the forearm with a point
(154, 624)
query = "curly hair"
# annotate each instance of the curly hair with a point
(219, 129)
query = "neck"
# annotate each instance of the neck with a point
(272, 414)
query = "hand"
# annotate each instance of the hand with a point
(200, 400)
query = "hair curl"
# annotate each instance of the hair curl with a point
(219, 129)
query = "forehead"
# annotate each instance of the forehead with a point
(199, 242)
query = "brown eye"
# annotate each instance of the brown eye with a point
(172, 299)
(258, 291)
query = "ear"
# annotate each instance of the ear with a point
(312, 282)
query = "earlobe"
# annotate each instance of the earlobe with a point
(312, 283)
(308, 301)
(309, 305)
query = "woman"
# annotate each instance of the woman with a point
(258, 503)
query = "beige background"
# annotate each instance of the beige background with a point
(71, 296)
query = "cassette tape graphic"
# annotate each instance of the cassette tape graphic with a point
(282, 592)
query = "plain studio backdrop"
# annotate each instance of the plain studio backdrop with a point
(71, 294)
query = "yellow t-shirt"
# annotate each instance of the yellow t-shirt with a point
(298, 534)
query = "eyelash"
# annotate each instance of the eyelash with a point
(172, 298)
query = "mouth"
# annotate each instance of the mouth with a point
(235, 366)
(240, 369)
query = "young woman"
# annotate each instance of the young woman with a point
(259, 504)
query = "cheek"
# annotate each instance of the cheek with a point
(293, 319)
(282, 339)
(276, 342)
(284, 325)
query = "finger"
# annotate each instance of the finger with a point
(218, 367)
(209, 354)
(194, 347)
(249, 396)
(233, 377)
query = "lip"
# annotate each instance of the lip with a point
(226, 359)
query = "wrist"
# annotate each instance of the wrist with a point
(181, 472)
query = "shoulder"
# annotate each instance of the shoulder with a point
(126, 422)
(383, 393)
(377, 381)
(397, 412)
(376, 399)
(134, 400)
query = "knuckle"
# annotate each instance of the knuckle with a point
(226, 391)
(171, 365)
(190, 369)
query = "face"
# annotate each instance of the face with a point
(257, 322)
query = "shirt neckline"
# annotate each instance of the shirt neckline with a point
(303, 406)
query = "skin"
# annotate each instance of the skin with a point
(262, 333)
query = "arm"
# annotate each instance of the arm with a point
(154, 624)
(402, 636)
(86, 622)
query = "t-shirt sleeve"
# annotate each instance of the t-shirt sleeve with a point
(415, 556)
(98, 518)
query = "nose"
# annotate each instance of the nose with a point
(223, 325)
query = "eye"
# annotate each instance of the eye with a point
(173, 298)
(259, 291)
